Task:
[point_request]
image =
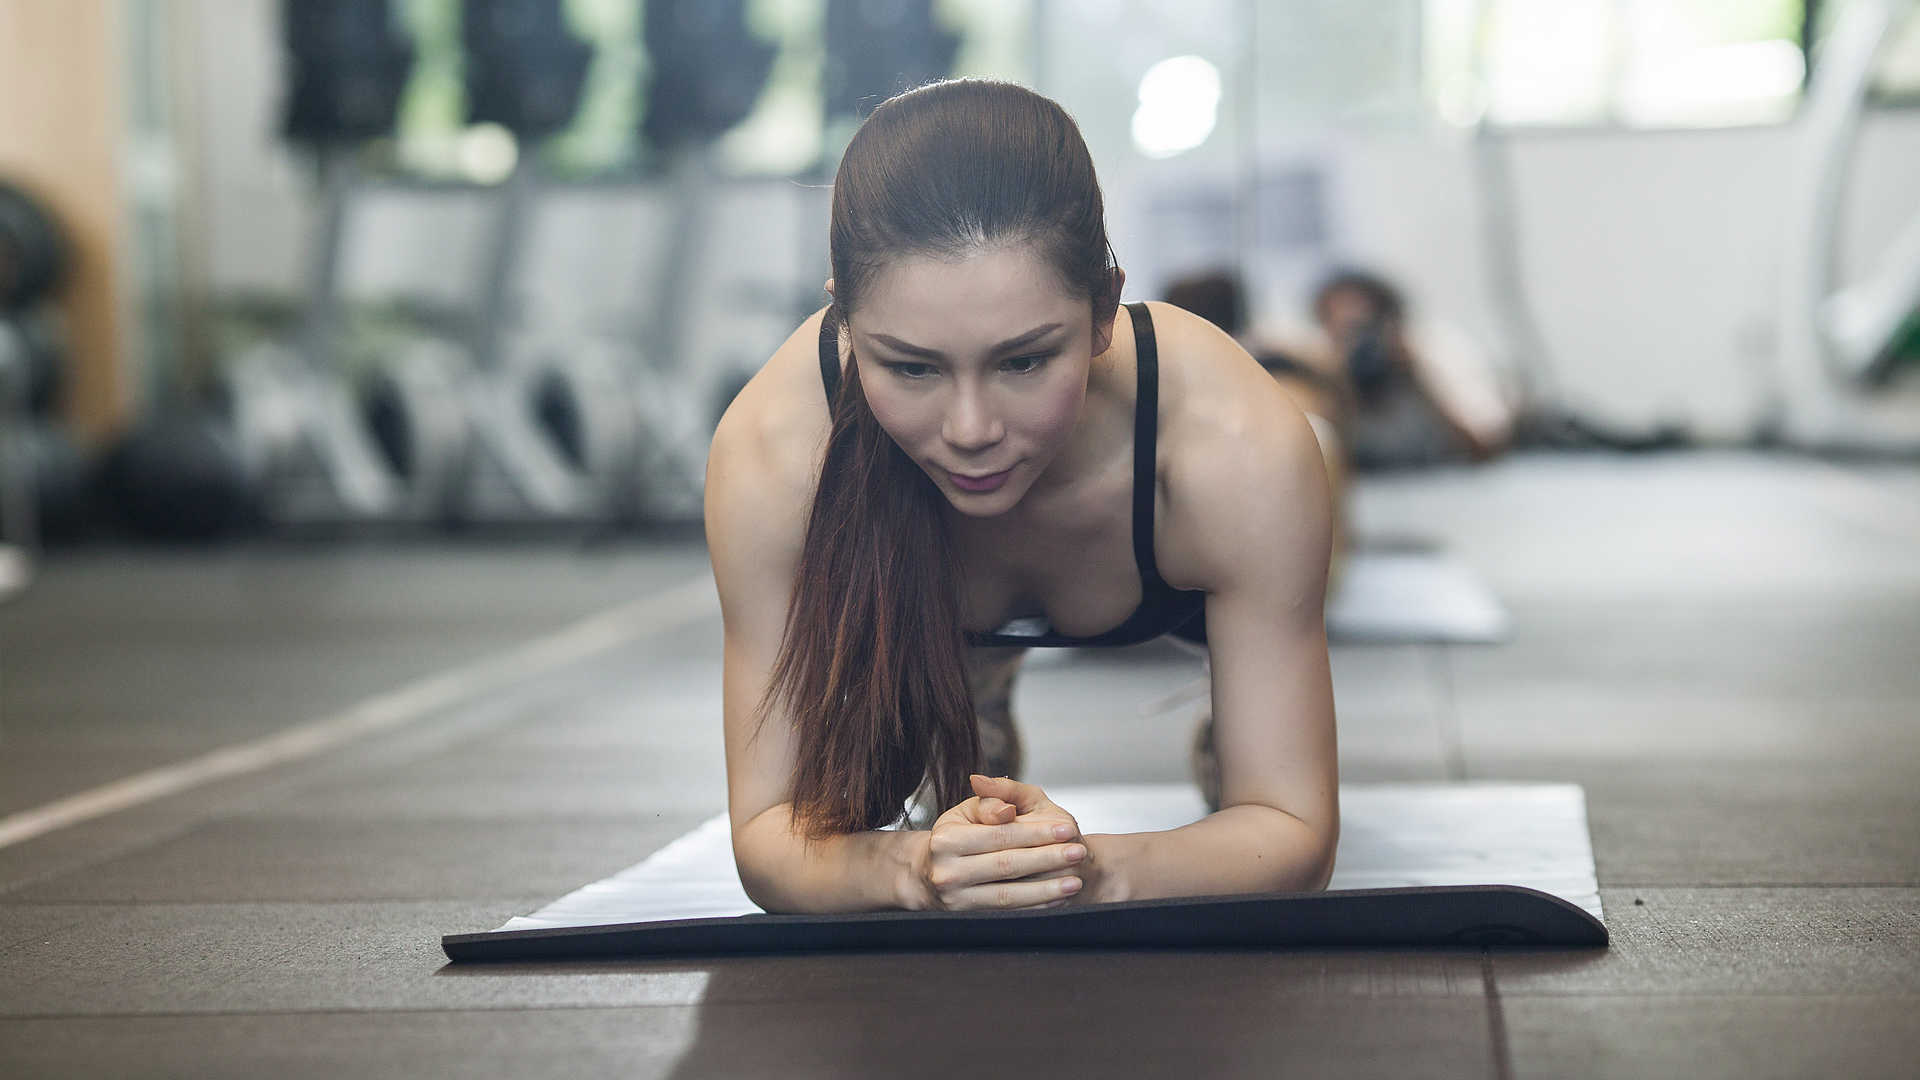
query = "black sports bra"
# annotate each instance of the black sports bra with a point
(1163, 608)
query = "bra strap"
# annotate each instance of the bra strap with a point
(1146, 423)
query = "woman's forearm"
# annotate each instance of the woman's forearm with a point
(1239, 849)
(865, 871)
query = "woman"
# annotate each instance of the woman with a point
(969, 440)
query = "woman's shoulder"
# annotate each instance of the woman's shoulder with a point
(1211, 390)
(1233, 447)
(768, 444)
(784, 404)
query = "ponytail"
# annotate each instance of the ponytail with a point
(871, 669)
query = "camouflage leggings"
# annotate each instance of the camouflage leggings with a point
(990, 674)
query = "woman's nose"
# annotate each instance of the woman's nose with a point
(971, 423)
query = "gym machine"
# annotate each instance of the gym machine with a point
(40, 469)
(1834, 339)
(17, 528)
(296, 419)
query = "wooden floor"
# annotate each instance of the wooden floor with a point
(1724, 649)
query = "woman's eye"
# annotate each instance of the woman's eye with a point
(911, 371)
(1020, 365)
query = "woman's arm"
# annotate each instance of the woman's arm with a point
(760, 476)
(1249, 520)
(866, 871)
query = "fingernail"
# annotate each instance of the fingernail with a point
(1070, 885)
(1076, 853)
(1063, 832)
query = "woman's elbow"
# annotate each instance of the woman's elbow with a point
(1306, 852)
(1322, 872)
(754, 864)
(1322, 846)
(756, 884)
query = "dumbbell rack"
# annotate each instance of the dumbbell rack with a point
(295, 419)
(18, 531)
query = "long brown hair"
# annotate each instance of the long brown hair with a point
(872, 667)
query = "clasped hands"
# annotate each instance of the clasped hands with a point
(1009, 846)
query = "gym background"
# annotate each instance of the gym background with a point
(358, 362)
(502, 263)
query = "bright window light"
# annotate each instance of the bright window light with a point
(1179, 106)
(1632, 63)
(488, 153)
(1751, 82)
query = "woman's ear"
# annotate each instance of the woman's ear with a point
(830, 287)
(1105, 309)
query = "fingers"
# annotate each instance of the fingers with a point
(1073, 870)
(979, 840)
(1027, 797)
(984, 856)
(953, 872)
(979, 811)
(1027, 800)
(1013, 894)
(992, 811)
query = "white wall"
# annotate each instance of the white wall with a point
(1651, 258)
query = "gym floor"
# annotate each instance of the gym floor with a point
(1721, 647)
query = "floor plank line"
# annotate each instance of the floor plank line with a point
(666, 610)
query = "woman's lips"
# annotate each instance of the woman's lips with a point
(979, 483)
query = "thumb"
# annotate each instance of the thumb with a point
(1026, 798)
(996, 811)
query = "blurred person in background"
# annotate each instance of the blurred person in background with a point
(1422, 392)
(1384, 392)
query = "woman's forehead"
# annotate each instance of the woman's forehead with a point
(983, 295)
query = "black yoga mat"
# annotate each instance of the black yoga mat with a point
(1448, 915)
(1418, 865)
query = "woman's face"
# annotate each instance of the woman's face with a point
(1344, 312)
(977, 367)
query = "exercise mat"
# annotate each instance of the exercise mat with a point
(1418, 864)
(1402, 595)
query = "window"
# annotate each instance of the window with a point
(1633, 63)
(1898, 79)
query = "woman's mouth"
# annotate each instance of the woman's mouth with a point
(979, 483)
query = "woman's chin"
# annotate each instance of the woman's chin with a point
(980, 505)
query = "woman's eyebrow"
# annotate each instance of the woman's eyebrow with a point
(1015, 342)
